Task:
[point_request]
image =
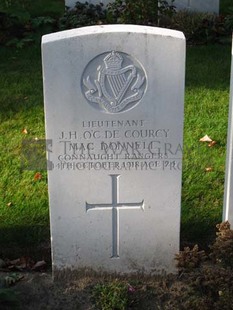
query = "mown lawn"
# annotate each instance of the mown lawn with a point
(24, 219)
(225, 5)
(24, 214)
(206, 112)
(52, 8)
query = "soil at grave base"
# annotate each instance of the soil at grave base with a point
(37, 291)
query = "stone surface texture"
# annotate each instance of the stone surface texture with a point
(228, 194)
(114, 111)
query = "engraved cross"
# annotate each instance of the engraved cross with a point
(115, 206)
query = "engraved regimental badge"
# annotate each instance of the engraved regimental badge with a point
(114, 82)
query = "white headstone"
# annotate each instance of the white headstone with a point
(228, 194)
(114, 111)
(209, 6)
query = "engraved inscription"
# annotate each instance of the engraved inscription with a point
(115, 206)
(113, 82)
(118, 145)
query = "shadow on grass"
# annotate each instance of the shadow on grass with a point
(208, 66)
(201, 232)
(20, 81)
(30, 241)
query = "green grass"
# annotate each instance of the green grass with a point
(25, 223)
(225, 5)
(206, 112)
(54, 8)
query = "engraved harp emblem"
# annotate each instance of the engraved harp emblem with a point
(115, 87)
(118, 78)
